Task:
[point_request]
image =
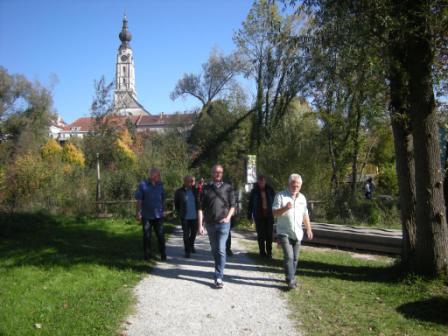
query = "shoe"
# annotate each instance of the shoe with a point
(163, 257)
(229, 253)
(219, 284)
(262, 254)
(193, 250)
(187, 255)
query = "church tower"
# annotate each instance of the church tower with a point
(125, 95)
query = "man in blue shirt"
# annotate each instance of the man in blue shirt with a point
(150, 198)
(186, 205)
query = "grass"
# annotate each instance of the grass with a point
(67, 276)
(340, 294)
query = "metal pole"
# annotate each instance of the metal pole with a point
(98, 180)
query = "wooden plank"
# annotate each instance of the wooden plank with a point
(360, 238)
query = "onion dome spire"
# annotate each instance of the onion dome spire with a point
(125, 36)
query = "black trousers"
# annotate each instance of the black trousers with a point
(229, 237)
(265, 227)
(147, 225)
(190, 229)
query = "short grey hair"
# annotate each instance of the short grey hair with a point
(216, 166)
(295, 177)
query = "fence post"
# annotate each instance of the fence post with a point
(98, 183)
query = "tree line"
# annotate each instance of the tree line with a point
(338, 87)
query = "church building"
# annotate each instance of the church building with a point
(126, 107)
(125, 95)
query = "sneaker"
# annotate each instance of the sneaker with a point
(219, 283)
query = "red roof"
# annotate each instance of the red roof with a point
(85, 124)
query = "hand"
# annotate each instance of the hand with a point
(309, 234)
(225, 220)
(277, 241)
(138, 216)
(201, 230)
(288, 206)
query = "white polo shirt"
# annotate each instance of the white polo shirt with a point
(291, 221)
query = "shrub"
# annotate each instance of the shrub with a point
(73, 155)
(51, 150)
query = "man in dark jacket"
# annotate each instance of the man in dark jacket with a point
(186, 205)
(216, 207)
(260, 211)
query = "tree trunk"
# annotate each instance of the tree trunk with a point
(404, 158)
(431, 253)
(356, 145)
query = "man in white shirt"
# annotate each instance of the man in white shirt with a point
(290, 209)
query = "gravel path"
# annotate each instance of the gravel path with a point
(177, 298)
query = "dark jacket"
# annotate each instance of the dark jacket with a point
(254, 209)
(180, 201)
(216, 202)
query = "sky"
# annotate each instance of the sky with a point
(67, 45)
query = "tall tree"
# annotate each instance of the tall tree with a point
(269, 43)
(217, 76)
(431, 253)
(25, 114)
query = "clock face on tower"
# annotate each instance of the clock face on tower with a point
(124, 58)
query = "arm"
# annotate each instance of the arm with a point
(307, 223)
(232, 204)
(280, 211)
(229, 216)
(200, 224)
(277, 208)
(138, 206)
(138, 210)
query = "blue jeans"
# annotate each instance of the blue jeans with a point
(290, 249)
(217, 234)
(147, 225)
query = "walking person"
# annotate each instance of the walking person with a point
(216, 207)
(369, 187)
(150, 197)
(186, 205)
(290, 209)
(259, 210)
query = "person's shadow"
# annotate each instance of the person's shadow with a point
(199, 267)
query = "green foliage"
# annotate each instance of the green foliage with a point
(387, 180)
(268, 43)
(25, 114)
(231, 150)
(169, 153)
(294, 146)
(124, 157)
